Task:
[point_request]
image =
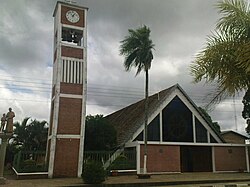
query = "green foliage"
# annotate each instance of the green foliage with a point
(209, 119)
(246, 110)
(226, 57)
(30, 136)
(137, 49)
(99, 134)
(93, 172)
(30, 161)
(121, 163)
(30, 165)
(246, 103)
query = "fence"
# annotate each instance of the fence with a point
(126, 160)
(30, 161)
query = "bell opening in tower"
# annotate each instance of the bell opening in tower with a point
(72, 36)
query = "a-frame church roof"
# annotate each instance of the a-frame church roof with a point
(129, 119)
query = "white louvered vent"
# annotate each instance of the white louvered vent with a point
(72, 71)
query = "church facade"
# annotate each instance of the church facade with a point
(180, 138)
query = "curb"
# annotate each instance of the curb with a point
(166, 183)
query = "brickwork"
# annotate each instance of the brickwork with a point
(64, 20)
(68, 88)
(72, 52)
(66, 158)
(230, 158)
(233, 138)
(69, 121)
(162, 158)
(69, 112)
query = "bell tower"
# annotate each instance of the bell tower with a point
(68, 103)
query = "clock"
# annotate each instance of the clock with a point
(72, 16)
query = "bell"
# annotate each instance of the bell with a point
(69, 39)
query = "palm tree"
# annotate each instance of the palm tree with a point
(226, 57)
(30, 136)
(20, 134)
(137, 50)
(38, 133)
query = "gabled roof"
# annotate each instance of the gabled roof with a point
(129, 119)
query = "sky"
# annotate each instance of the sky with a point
(178, 29)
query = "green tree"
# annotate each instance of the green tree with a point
(226, 57)
(99, 134)
(246, 110)
(30, 136)
(209, 119)
(137, 49)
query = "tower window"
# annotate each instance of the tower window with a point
(72, 36)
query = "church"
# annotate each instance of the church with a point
(180, 138)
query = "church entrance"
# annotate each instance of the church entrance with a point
(196, 159)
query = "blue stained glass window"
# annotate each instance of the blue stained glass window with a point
(201, 132)
(153, 131)
(177, 122)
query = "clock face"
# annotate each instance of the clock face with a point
(72, 16)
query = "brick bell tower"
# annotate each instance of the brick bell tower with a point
(68, 105)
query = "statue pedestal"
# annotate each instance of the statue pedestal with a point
(4, 137)
(2, 180)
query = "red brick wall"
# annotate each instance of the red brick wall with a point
(230, 158)
(68, 88)
(233, 138)
(69, 121)
(162, 158)
(80, 23)
(72, 52)
(66, 158)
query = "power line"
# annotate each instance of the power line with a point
(121, 95)
(100, 91)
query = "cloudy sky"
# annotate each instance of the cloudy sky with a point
(178, 30)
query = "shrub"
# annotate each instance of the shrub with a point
(29, 165)
(93, 172)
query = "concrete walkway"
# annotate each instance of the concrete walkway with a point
(132, 180)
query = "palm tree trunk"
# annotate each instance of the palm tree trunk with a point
(145, 125)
